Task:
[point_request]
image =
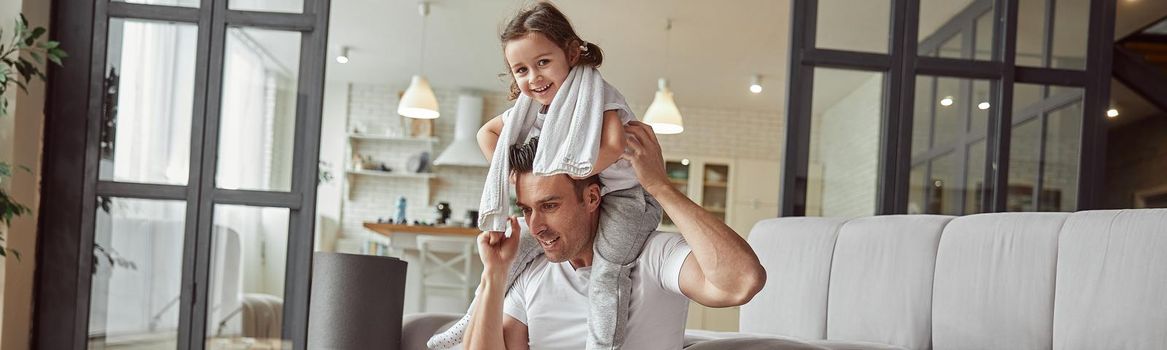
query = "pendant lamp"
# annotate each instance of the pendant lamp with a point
(418, 101)
(662, 114)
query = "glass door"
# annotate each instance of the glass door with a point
(206, 147)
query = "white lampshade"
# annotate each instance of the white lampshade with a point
(662, 114)
(418, 101)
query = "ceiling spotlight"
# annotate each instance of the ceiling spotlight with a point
(343, 57)
(1111, 113)
(685, 161)
(756, 84)
(983, 105)
(946, 101)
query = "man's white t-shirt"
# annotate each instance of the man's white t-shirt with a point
(552, 299)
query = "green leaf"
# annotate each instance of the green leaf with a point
(5, 169)
(51, 44)
(56, 59)
(16, 254)
(21, 85)
(25, 168)
(36, 33)
(2, 252)
(36, 57)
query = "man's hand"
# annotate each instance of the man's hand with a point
(497, 251)
(643, 151)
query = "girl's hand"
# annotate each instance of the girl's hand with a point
(497, 251)
(643, 151)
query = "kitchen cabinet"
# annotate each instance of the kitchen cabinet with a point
(739, 191)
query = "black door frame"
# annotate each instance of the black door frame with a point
(70, 185)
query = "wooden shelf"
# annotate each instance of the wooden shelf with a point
(374, 137)
(392, 174)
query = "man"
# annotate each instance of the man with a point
(547, 307)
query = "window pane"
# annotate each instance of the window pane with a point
(257, 127)
(944, 192)
(1071, 21)
(1023, 165)
(183, 3)
(1054, 112)
(854, 25)
(918, 189)
(292, 6)
(137, 274)
(249, 254)
(1063, 135)
(957, 111)
(926, 104)
(980, 107)
(948, 107)
(145, 132)
(956, 29)
(844, 145)
(974, 178)
(984, 41)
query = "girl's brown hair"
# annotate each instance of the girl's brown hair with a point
(545, 19)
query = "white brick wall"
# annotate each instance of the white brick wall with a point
(845, 141)
(374, 108)
(725, 133)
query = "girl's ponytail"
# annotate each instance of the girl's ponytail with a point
(591, 55)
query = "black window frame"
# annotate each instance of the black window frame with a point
(901, 66)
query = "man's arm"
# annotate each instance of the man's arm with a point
(722, 270)
(488, 325)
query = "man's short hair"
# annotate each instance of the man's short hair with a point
(523, 161)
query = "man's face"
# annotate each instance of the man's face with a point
(561, 219)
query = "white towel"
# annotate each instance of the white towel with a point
(569, 140)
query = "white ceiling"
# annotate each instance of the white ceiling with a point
(716, 46)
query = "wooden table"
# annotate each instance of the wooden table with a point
(389, 229)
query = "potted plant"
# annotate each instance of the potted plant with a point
(19, 70)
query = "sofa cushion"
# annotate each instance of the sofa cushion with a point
(796, 253)
(881, 280)
(1112, 281)
(994, 284)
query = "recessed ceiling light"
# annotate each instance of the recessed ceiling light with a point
(756, 84)
(983, 105)
(946, 101)
(1112, 113)
(685, 161)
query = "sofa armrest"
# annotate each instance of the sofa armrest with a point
(416, 329)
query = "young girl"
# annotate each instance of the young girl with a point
(542, 51)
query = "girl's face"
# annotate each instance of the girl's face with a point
(538, 65)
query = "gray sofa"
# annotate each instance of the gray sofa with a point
(1086, 280)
